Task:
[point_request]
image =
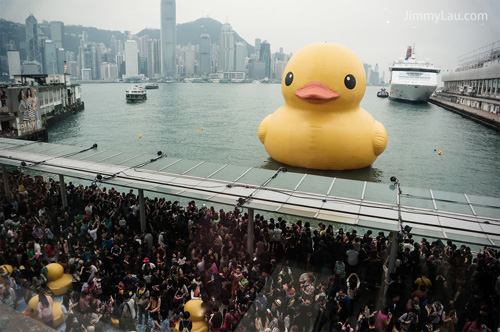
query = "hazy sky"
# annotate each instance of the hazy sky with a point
(378, 31)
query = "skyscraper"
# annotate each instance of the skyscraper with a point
(168, 38)
(50, 57)
(257, 47)
(205, 54)
(154, 58)
(14, 63)
(131, 58)
(227, 48)
(240, 57)
(57, 33)
(189, 60)
(265, 56)
(33, 48)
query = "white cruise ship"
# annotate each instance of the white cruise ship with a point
(412, 80)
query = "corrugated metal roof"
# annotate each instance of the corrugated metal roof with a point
(456, 216)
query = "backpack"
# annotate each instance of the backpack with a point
(130, 311)
(117, 312)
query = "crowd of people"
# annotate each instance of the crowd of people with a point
(299, 279)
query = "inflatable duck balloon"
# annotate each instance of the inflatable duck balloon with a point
(321, 125)
(196, 315)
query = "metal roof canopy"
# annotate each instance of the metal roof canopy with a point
(458, 217)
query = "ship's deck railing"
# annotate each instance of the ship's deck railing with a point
(459, 217)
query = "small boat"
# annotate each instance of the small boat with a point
(136, 93)
(383, 93)
(152, 86)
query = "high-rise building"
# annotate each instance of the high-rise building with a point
(368, 73)
(257, 47)
(240, 57)
(279, 68)
(131, 58)
(33, 47)
(265, 56)
(154, 58)
(226, 61)
(57, 33)
(205, 54)
(168, 38)
(61, 58)
(31, 68)
(101, 52)
(14, 63)
(72, 68)
(109, 71)
(142, 45)
(49, 57)
(113, 46)
(189, 60)
(375, 76)
(10, 46)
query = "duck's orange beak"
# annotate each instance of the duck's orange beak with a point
(316, 93)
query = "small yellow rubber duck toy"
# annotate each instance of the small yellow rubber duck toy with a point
(321, 125)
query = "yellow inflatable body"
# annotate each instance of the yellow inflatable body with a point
(56, 310)
(196, 315)
(58, 281)
(321, 125)
(115, 322)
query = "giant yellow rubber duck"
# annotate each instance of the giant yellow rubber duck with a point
(196, 315)
(321, 125)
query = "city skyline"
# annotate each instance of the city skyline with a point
(379, 33)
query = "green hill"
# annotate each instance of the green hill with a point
(187, 33)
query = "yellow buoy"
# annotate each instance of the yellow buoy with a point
(140, 136)
(202, 128)
(440, 152)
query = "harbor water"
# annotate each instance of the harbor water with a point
(218, 123)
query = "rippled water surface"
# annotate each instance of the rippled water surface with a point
(171, 119)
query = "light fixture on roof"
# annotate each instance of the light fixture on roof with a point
(240, 202)
(407, 229)
(159, 154)
(22, 166)
(397, 186)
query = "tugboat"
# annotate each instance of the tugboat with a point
(136, 93)
(383, 93)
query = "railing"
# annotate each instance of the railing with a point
(476, 58)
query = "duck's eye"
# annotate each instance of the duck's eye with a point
(289, 78)
(350, 82)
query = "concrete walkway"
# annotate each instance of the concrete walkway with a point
(486, 118)
(14, 321)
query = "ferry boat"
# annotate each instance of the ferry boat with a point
(383, 93)
(136, 93)
(28, 107)
(412, 80)
(152, 86)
